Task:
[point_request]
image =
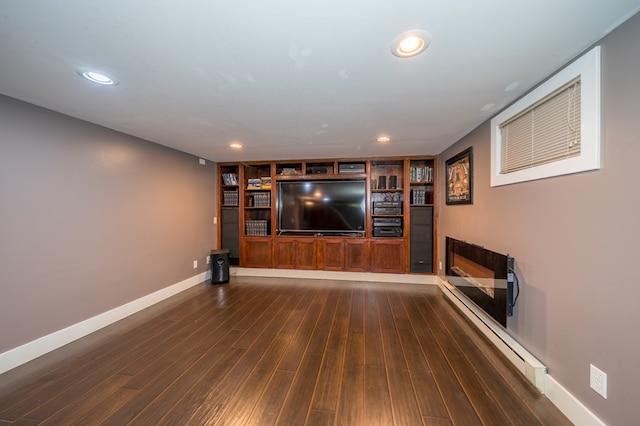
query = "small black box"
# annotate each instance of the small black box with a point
(388, 231)
(382, 182)
(393, 182)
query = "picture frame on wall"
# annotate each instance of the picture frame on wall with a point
(459, 178)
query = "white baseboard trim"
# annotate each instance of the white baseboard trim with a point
(334, 275)
(32, 350)
(570, 405)
(534, 370)
(523, 360)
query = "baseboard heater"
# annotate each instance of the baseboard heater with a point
(483, 285)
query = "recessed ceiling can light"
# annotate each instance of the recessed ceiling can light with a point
(98, 77)
(410, 43)
(383, 139)
(512, 86)
(235, 145)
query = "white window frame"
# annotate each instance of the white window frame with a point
(587, 67)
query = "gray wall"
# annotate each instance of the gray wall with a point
(91, 219)
(576, 242)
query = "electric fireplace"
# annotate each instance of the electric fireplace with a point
(485, 277)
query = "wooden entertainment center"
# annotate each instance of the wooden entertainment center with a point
(398, 234)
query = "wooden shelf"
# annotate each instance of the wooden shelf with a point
(364, 253)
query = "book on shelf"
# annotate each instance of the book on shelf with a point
(257, 227)
(262, 199)
(254, 183)
(265, 182)
(421, 174)
(419, 196)
(230, 178)
(230, 198)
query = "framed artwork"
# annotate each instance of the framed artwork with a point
(459, 169)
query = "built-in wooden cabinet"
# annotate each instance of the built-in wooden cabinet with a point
(388, 256)
(256, 252)
(295, 252)
(332, 254)
(356, 255)
(393, 241)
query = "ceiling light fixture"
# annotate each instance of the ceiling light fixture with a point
(383, 139)
(98, 77)
(410, 43)
(235, 145)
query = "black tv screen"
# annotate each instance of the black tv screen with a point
(324, 207)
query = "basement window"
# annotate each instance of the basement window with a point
(552, 131)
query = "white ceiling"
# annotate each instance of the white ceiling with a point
(291, 79)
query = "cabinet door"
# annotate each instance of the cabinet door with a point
(332, 255)
(285, 253)
(421, 240)
(230, 238)
(256, 253)
(295, 253)
(356, 257)
(306, 254)
(388, 256)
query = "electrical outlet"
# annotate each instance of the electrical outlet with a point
(208, 259)
(195, 264)
(440, 265)
(598, 380)
(215, 220)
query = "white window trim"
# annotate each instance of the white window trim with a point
(587, 67)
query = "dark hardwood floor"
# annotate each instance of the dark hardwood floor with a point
(280, 351)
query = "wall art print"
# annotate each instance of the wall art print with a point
(459, 169)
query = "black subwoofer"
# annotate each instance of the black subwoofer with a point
(219, 266)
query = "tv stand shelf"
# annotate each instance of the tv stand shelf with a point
(390, 191)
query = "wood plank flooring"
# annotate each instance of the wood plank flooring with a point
(264, 351)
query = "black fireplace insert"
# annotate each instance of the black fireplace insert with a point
(485, 277)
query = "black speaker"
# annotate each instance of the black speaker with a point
(393, 182)
(382, 182)
(219, 266)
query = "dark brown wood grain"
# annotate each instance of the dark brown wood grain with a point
(280, 351)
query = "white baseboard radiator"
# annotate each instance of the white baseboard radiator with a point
(483, 285)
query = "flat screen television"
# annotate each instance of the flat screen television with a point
(328, 207)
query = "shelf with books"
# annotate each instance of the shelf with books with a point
(230, 179)
(260, 199)
(421, 176)
(421, 195)
(257, 204)
(230, 185)
(230, 198)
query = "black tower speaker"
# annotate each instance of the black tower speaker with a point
(393, 182)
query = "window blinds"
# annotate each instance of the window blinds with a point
(547, 131)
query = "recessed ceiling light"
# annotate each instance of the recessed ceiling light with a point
(383, 139)
(512, 86)
(236, 145)
(98, 77)
(410, 43)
